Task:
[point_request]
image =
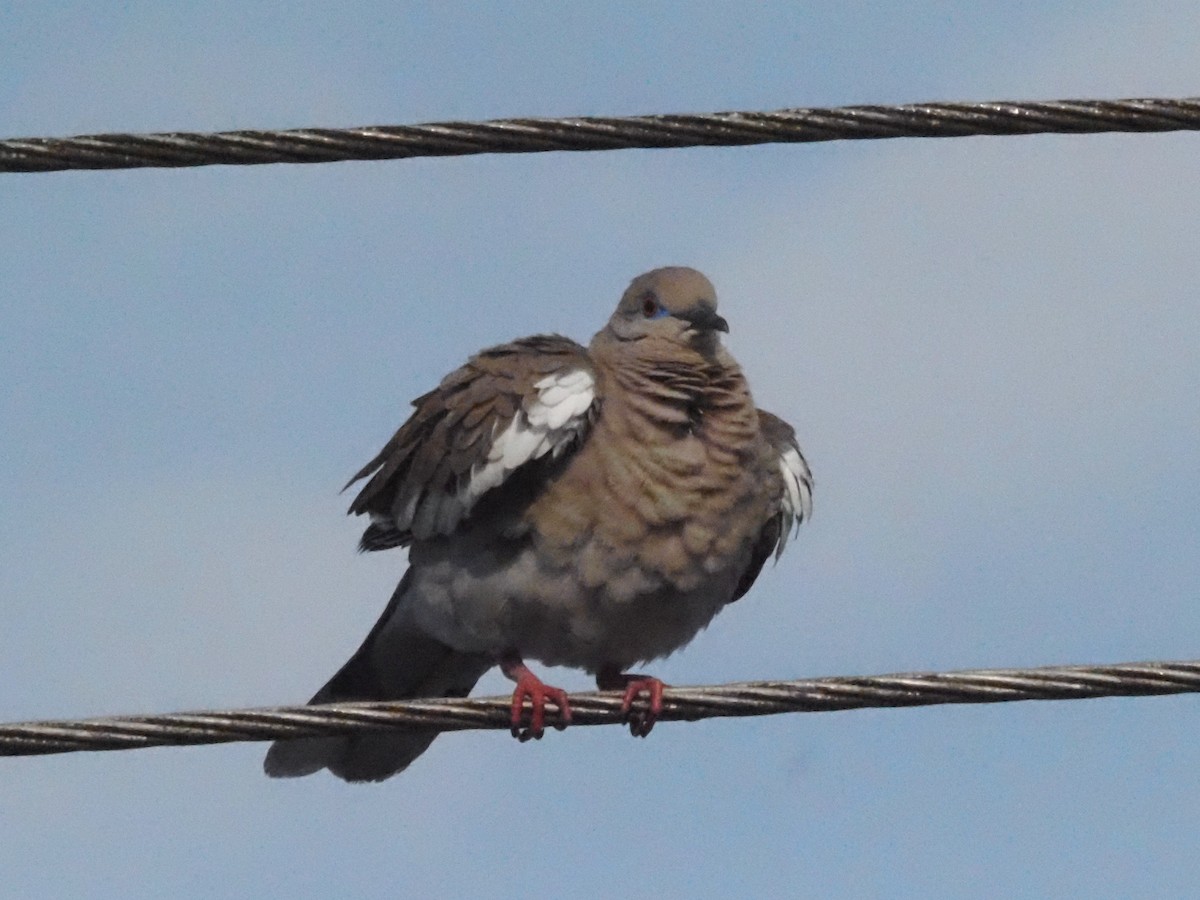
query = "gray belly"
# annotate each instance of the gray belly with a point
(482, 602)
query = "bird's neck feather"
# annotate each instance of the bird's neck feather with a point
(672, 383)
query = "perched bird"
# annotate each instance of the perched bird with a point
(592, 508)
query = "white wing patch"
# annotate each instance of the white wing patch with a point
(797, 495)
(547, 423)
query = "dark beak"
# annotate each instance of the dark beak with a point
(704, 319)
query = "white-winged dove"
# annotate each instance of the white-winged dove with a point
(592, 508)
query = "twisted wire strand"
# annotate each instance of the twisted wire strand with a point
(539, 135)
(754, 698)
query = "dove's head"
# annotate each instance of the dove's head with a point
(675, 303)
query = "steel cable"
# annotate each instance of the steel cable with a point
(539, 135)
(754, 698)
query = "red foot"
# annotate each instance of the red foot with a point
(531, 687)
(640, 721)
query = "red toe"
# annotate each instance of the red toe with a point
(640, 721)
(530, 687)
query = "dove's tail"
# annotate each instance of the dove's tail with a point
(397, 661)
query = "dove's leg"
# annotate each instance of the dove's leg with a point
(611, 678)
(529, 685)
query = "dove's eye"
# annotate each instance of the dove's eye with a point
(650, 307)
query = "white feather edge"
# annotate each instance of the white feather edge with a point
(549, 422)
(796, 503)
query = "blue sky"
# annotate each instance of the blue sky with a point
(989, 348)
